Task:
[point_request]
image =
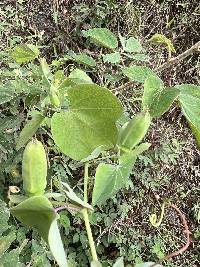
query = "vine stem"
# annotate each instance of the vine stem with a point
(86, 217)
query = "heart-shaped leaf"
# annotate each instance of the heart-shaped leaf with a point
(38, 212)
(89, 123)
(156, 98)
(102, 37)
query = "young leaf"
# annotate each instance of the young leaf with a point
(133, 133)
(83, 59)
(80, 75)
(162, 39)
(119, 262)
(29, 130)
(113, 58)
(102, 37)
(71, 195)
(25, 53)
(133, 45)
(190, 103)
(89, 123)
(156, 98)
(109, 179)
(38, 212)
(138, 73)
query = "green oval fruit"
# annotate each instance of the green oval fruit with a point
(54, 98)
(34, 169)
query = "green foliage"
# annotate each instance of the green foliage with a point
(29, 130)
(25, 53)
(103, 37)
(158, 38)
(137, 73)
(38, 212)
(92, 116)
(157, 99)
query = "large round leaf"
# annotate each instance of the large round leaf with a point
(89, 123)
(38, 212)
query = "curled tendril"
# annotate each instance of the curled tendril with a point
(154, 219)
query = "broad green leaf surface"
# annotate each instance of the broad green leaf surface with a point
(112, 58)
(29, 130)
(119, 263)
(103, 37)
(95, 264)
(147, 264)
(156, 98)
(25, 53)
(138, 73)
(132, 45)
(190, 103)
(84, 59)
(7, 92)
(134, 131)
(162, 39)
(109, 179)
(38, 212)
(139, 57)
(89, 123)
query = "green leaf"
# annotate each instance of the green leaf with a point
(190, 103)
(162, 39)
(139, 57)
(102, 37)
(80, 75)
(71, 195)
(96, 264)
(25, 53)
(134, 131)
(132, 45)
(89, 123)
(148, 264)
(38, 212)
(4, 217)
(119, 262)
(6, 241)
(7, 92)
(29, 130)
(83, 59)
(109, 179)
(196, 133)
(156, 98)
(113, 58)
(138, 73)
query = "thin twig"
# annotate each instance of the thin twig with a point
(166, 65)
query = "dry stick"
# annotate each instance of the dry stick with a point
(166, 65)
(187, 235)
